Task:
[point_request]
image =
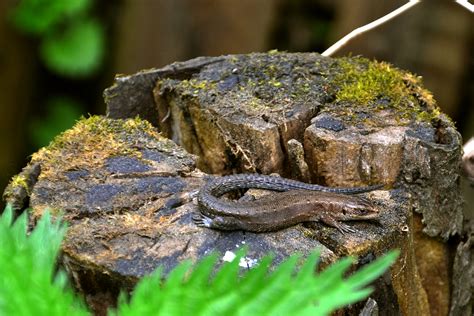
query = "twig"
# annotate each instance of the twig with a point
(466, 4)
(367, 27)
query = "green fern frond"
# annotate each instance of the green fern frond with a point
(29, 284)
(374, 270)
(286, 290)
(227, 276)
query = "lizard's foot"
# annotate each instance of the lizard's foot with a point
(331, 221)
(202, 220)
(217, 222)
(343, 228)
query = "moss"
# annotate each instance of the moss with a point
(19, 180)
(366, 81)
(196, 85)
(254, 84)
(372, 85)
(90, 142)
(271, 83)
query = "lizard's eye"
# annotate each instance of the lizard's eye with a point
(344, 211)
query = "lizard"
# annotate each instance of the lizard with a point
(298, 202)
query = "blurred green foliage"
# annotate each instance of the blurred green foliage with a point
(62, 113)
(319, 30)
(40, 16)
(76, 51)
(71, 42)
(29, 281)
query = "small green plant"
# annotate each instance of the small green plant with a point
(29, 284)
(286, 291)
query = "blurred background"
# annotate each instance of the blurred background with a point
(56, 56)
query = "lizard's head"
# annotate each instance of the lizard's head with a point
(359, 208)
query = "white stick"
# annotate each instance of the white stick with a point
(367, 27)
(466, 4)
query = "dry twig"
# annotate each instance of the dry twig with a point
(358, 31)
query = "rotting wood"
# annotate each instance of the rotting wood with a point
(239, 113)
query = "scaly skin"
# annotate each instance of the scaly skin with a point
(302, 202)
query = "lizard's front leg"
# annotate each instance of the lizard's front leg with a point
(333, 222)
(217, 222)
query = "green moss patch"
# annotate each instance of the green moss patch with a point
(256, 84)
(19, 180)
(376, 86)
(270, 85)
(90, 142)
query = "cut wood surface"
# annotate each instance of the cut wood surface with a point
(127, 191)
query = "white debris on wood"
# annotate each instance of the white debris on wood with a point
(229, 256)
(244, 262)
(468, 159)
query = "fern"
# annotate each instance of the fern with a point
(29, 284)
(287, 290)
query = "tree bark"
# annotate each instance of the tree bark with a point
(126, 189)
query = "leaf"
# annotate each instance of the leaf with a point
(27, 266)
(39, 16)
(276, 286)
(257, 292)
(353, 289)
(29, 283)
(202, 270)
(147, 296)
(372, 271)
(228, 274)
(76, 52)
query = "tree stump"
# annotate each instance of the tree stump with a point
(126, 190)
